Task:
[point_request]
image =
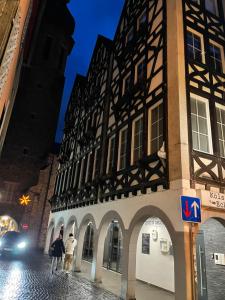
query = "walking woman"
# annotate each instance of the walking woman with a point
(58, 249)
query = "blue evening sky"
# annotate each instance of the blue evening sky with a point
(92, 17)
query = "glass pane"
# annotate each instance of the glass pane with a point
(220, 132)
(154, 146)
(161, 127)
(221, 144)
(201, 109)
(222, 116)
(203, 125)
(154, 131)
(154, 115)
(211, 6)
(218, 114)
(204, 145)
(193, 106)
(194, 123)
(223, 132)
(161, 111)
(195, 140)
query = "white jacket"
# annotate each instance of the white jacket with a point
(70, 245)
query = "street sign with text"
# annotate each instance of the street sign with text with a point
(191, 209)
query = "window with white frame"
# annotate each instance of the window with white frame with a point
(212, 6)
(140, 71)
(215, 57)
(141, 19)
(220, 119)
(155, 127)
(200, 122)
(127, 83)
(194, 47)
(122, 149)
(111, 154)
(137, 139)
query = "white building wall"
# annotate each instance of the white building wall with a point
(157, 267)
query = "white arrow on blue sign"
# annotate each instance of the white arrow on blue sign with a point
(191, 209)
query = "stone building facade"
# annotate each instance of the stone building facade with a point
(142, 129)
(31, 132)
(14, 18)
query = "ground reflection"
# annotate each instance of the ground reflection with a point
(14, 274)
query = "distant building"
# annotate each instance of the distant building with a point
(14, 18)
(145, 127)
(31, 133)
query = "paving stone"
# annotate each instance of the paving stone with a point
(30, 279)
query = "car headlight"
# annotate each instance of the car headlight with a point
(21, 245)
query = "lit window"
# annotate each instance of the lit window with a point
(215, 58)
(123, 148)
(156, 128)
(200, 121)
(211, 5)
(140, 71)
(130, 35)
(137, 139)
(220, 118)
(111, 154)
(127, 84)
(194, 47)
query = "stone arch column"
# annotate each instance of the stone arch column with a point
(130, 250)
(80, 240)
(50, 230)
(96, 272)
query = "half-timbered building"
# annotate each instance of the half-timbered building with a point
(143, 128)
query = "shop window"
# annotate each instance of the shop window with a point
(111, 154)
(200, 121)
(215, 58)
(155, 128)
(88, 244)
(137, 139)
(220, 118)
(194, 47)
(212, 6)
(113, 248)
(123, 148)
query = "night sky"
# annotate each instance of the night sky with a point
(92, 17)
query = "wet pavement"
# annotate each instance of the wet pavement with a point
(30, 279)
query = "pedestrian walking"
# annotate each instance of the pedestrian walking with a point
(69, 252)
(58, 249)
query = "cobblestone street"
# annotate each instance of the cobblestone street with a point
(30, 278)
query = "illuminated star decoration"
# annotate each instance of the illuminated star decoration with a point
(25, 200)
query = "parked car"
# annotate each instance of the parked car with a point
(13, 243)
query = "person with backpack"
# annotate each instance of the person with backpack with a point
(57, 250)
(69, 251)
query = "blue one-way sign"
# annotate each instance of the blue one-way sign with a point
(191, 209)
